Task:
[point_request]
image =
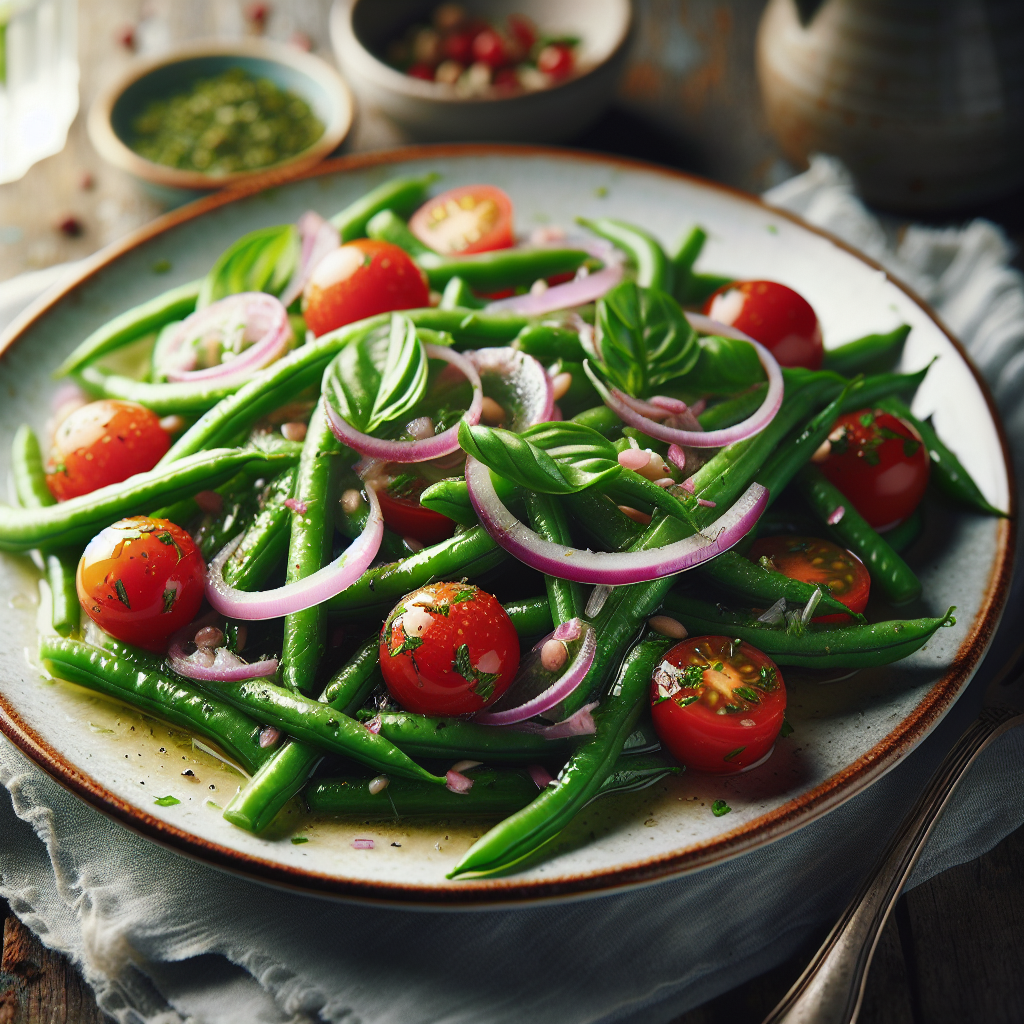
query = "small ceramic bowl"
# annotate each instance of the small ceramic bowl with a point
(115, 110)
(426, 111)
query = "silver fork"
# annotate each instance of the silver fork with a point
(831, 988)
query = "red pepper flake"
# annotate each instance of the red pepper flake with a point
(257, 14)
(296, 506)
(70, 226)
(302, 41)
(362, 844)
(125, 37)
(87, 181)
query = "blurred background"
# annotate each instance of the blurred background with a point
(846, 75)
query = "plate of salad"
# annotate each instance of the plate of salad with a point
(479, 524)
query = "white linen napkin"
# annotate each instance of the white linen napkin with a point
(166, 940)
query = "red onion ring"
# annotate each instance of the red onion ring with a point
(572, 676)
(183, 664)
(414, 451)
(319, 237)
(612, 568)
(258, 312)
(534, 391)
(305, 593)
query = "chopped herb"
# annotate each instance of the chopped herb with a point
(299, 840)
(161, 266)
(170, 596)
(692, 676)
(403, 486)
(166, 538)
(769, 680)
(683, 701)
(481, 683)
(166, 801)
(720, 807)
(734, 753)
(786, 730)
(747, 694)
(409, 643)
(122, 594)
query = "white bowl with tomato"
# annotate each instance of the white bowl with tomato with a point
(494, 70)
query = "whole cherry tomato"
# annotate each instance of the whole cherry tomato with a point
(717, 704)
(103, 443)
(404, 514)
(813, 560)
(141, 580)
(448, 649)
(473, 218)
(361, 279)
(458, 46)
(880, 463)
(523, 31)
(490, 48)
(555, 60)
(424, 71)
(778, 317)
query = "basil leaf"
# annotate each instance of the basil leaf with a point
(517, 459)
(405, 373)
(643, 338)
(724, 366)
(568, 440)
(261, 261)
(378, 378)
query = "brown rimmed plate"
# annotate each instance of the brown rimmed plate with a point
(848, 732)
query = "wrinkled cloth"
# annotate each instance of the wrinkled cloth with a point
(165, 940)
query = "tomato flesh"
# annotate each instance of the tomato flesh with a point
(474, 218)
(141, 580)
(448, 649)
(717, 704)
(880, 464)
(361, 279)
(103, 443)
(555, 60)
(404, 514)
(813, 560)
(778, 317)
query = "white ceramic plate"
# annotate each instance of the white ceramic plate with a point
(847, 734)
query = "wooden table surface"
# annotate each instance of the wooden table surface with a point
(954, 950)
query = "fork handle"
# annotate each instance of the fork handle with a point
(831, 988)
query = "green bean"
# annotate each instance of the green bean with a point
(700, 287)
(882, 385)
(653, 268)
(401, 194)
(494, 792)
(531, 616)
(269, 389)
(309, 550)
(815, 645)
(739, 577)
(502, 268)
(27, 470)
(439, 738)
(375, 593)
(165, 399)
(387, 226)
(458, 295)
(471, 327)
(682, 263)
(548, 342)
(874, 353)
(899, 538)
(947, 472)
(177, 701)
(77, 520)
(601, 419)
(61, 570)
(265, 542)
(548, 519)
(532, 828)
(599, 516)
(888, 571)
(733, 410)
(240, 504)
(132, 324)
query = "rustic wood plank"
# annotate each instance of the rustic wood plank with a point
(967, 930)
(39, 986)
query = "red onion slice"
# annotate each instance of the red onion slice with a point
(319, 237)
(612, 568)
(580, 724)
(530, 387)
(414, 451)
(304, 593)
(532, 673)
(226, 668)
(261, 317)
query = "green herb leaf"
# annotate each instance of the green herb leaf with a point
(166, 801)
(642, 338)
(405, 373)
(723, 367)
(170, 596)
(482, 683)
(734, 753)
(299, 840)
(261, 261)
(747, 694)
(786, 730)
(166, 537)
(122, 594)
(720, 807)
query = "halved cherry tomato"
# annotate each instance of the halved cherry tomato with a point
(490, 48)
(361, 279)
(103, 443)
(880, 463)
(474, 218)
(717, 704)
(141, 580)
(522, 30)
(404, 514)
(424, 71)
(448, 649)
(778, 317)
(813, 560)
(555, 60)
